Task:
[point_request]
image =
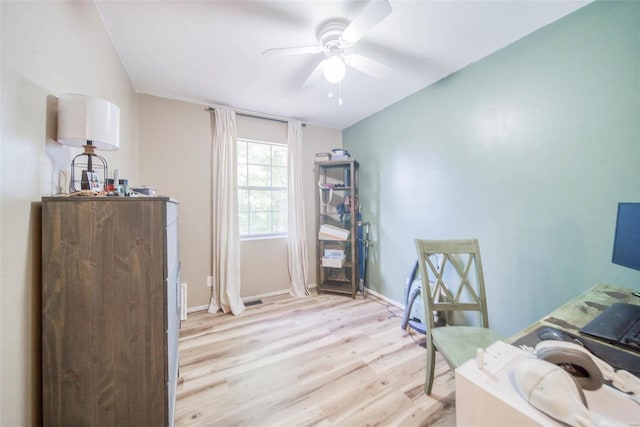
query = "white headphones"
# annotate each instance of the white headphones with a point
(554, 380)
(574, 359)
(623, 380)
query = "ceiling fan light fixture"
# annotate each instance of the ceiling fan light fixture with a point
(334, 69)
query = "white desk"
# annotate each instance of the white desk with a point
(488, 396)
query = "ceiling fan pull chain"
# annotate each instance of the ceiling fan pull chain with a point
(340, 94)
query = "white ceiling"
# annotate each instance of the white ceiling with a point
(210, 52)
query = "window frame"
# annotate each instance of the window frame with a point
(272, 188)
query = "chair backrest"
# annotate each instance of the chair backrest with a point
(452, 278)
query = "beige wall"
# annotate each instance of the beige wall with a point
(175, 157)
(48, 48)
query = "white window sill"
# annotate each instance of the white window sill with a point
(266, 237)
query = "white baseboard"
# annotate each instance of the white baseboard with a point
(265, 295)
(385, 299)
(286, 291)
(197, 308)
(246, 299)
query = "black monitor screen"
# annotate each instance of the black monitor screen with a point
(626, 246)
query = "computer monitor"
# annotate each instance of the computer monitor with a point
(626, 246)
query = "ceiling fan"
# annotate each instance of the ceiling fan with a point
(336, 37)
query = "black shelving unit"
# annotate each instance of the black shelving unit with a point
(337, 206)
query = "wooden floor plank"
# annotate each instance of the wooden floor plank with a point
(325, 360)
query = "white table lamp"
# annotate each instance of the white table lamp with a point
(94, 124)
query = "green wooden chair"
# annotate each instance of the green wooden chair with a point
(453, 283)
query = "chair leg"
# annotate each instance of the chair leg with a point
(431, 363)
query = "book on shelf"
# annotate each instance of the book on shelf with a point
(334, 258)
(333, 253)
(340, 157)
(333, 262)
(321, 157)
(331, 232)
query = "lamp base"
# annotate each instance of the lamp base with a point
(88, 172)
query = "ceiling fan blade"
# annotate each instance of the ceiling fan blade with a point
(315, 76)
(370, 16)
(300, 50)
(367, 65)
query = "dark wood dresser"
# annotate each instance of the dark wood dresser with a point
(110, 311)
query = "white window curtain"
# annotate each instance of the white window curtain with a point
(297, 236)
(226, 234)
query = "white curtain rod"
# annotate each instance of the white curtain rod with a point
(254, 115)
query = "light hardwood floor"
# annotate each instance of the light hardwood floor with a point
(326, 360)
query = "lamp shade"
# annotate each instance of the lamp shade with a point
(83, 119)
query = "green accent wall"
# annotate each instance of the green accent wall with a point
(529, 149)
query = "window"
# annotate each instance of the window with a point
(262, 188)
